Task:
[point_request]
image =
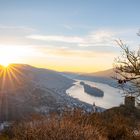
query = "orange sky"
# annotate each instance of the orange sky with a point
(78, 61)
(76, 36)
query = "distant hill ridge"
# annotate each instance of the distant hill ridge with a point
(104, 77)
(22, 73)
(105, 73)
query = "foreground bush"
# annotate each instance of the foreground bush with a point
(75, 125)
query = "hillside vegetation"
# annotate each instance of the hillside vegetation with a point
(118, 123)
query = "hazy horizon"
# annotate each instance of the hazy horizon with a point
(72, 36)
(66, 71)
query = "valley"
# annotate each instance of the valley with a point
(36, 91)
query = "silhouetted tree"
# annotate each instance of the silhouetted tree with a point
(127, 68)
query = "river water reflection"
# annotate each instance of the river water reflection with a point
(112, 96)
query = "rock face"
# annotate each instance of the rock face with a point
(92, 90)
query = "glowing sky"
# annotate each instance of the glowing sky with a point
(67, 35)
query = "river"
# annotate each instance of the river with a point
(112, 96)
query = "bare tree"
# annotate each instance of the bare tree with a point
(127, 68)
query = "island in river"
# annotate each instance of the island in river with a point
(92, 90)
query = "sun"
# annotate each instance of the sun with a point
(9, 54)
(5, 64)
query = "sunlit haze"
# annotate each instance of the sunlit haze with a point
(75, 35)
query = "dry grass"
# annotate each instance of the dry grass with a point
(75, 125)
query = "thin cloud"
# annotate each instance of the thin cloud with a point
(67, 52)
(94, 39)
(98, 38)
(56, 38)
(15, 35)
(17, 28)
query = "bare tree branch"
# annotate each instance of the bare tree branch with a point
(127, 68)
